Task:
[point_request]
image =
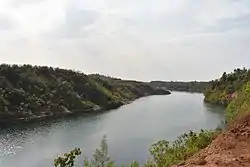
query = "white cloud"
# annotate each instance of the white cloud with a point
(162, 39)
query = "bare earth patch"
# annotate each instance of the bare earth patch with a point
(229, 149)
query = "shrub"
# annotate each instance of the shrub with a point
(164, 153)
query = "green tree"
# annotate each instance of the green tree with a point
(101, 158)
(68, 159)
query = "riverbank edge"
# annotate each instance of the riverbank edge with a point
(113, 106)
(231, 147)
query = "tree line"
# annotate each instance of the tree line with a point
(33, 92)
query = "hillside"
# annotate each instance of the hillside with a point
(222, 91)
(32, 92)
(229, 149)
(232, 147)
(181, 86)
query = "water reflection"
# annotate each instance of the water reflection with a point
(130, 129)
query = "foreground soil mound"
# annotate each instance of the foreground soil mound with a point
(229, 149)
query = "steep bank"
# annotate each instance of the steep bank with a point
(32, 92)
(229, 149)
(231, 90)
(224, 90)
(232, 147)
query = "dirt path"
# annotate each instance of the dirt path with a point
(229, 149)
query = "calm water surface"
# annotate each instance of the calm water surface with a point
(130, 129)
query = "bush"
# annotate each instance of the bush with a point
(164, 153)
(240, 105)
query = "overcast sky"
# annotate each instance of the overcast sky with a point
(131, 39)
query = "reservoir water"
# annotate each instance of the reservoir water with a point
(130, 130)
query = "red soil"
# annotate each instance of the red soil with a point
(229, 149)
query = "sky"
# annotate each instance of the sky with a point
(131, 39)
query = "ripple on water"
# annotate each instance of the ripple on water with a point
(130, 130)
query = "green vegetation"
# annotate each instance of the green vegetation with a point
(223, 90)
(68, 159)
(233, 91)
(193, 86)
(32, 92)
(101, 158)
(240, 105)
(164, 153)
